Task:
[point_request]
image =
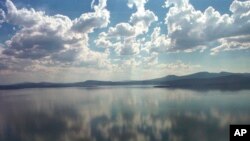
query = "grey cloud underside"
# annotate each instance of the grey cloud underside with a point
(34, 46)
(88, 22)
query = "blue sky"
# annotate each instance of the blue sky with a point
(66, 41)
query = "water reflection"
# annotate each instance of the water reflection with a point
(120, 114)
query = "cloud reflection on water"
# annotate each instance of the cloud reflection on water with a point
(120, 114)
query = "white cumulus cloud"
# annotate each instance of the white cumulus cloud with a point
(123, 36)
(191, 29)
(54, 39)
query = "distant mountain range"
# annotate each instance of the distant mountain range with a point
(200, 80)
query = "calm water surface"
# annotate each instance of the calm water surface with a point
(121, 114)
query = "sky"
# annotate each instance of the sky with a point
(77, 40)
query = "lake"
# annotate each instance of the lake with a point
(121, 114)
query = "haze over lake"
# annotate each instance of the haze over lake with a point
(120, 114)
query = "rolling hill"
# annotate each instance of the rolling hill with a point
(200, 80)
